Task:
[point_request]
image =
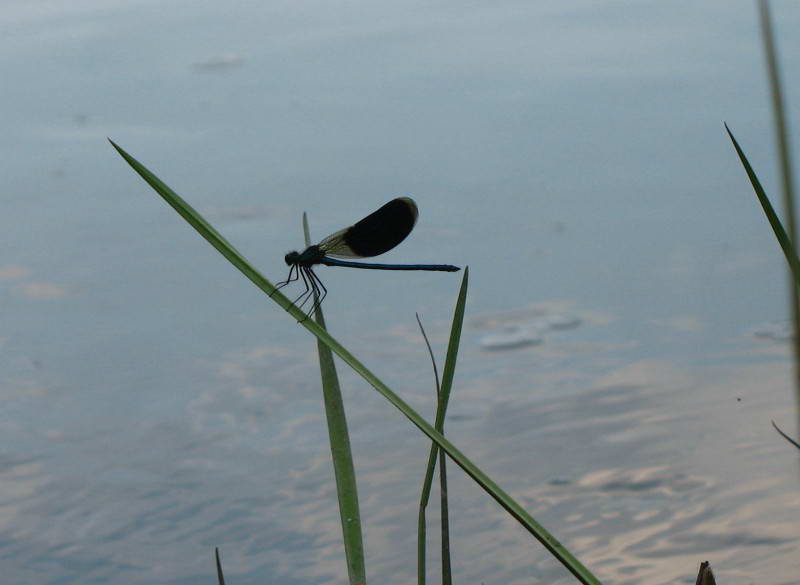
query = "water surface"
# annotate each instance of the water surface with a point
(157, 405)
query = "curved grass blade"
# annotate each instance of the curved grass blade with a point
(447, 577)
(783, 239)
(430, 353)
(441, 409)
(342, 457)
(785, 436)
(499, 495)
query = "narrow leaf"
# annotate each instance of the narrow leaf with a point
(769, 211)
(339, 438)
(441, 410)
(787, 176)
(445, 522)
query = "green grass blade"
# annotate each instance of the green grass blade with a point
(781, 126)
(787, 182)
(499, 495)
(422, 524)
(213, 237)
(452, 346)
(447, 379)
(769, 211)
(447, 572)
(441, 409)
(339, 438)
(444, 399)
(447, 578)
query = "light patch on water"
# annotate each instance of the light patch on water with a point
(219, 63)
(648, 373)
(558, 321)
(539, 310)
(238, 213)
(780, 332)
(520, 328)
(13, 272)
(42, 290)
(682, 323)
(512, 337)
(23, 387)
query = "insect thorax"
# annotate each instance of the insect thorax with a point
(308, 257)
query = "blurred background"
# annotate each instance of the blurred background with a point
(625, 344)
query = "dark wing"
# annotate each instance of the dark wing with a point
(377, 233)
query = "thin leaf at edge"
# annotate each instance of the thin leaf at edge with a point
(772, 217)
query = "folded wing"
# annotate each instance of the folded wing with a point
(377, 233)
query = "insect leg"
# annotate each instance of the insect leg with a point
(314, 294)
(317, 285)
(279, 285)
(307, 292)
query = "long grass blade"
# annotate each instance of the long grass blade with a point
(447, 571)
(339, 438)
(787, 182)
(422, 522)
(448, 376)
(498, 494)
(447, 577)
(441, 410)
(780, 234)
(779, 113)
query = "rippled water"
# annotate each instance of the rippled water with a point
(625, 345)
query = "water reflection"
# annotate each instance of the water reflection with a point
(525, 327)
(248, 470)
(219, 63)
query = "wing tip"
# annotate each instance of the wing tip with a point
(411, 204)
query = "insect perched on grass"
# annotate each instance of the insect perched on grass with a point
(377, 233)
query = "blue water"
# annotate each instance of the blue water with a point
(156, 404)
